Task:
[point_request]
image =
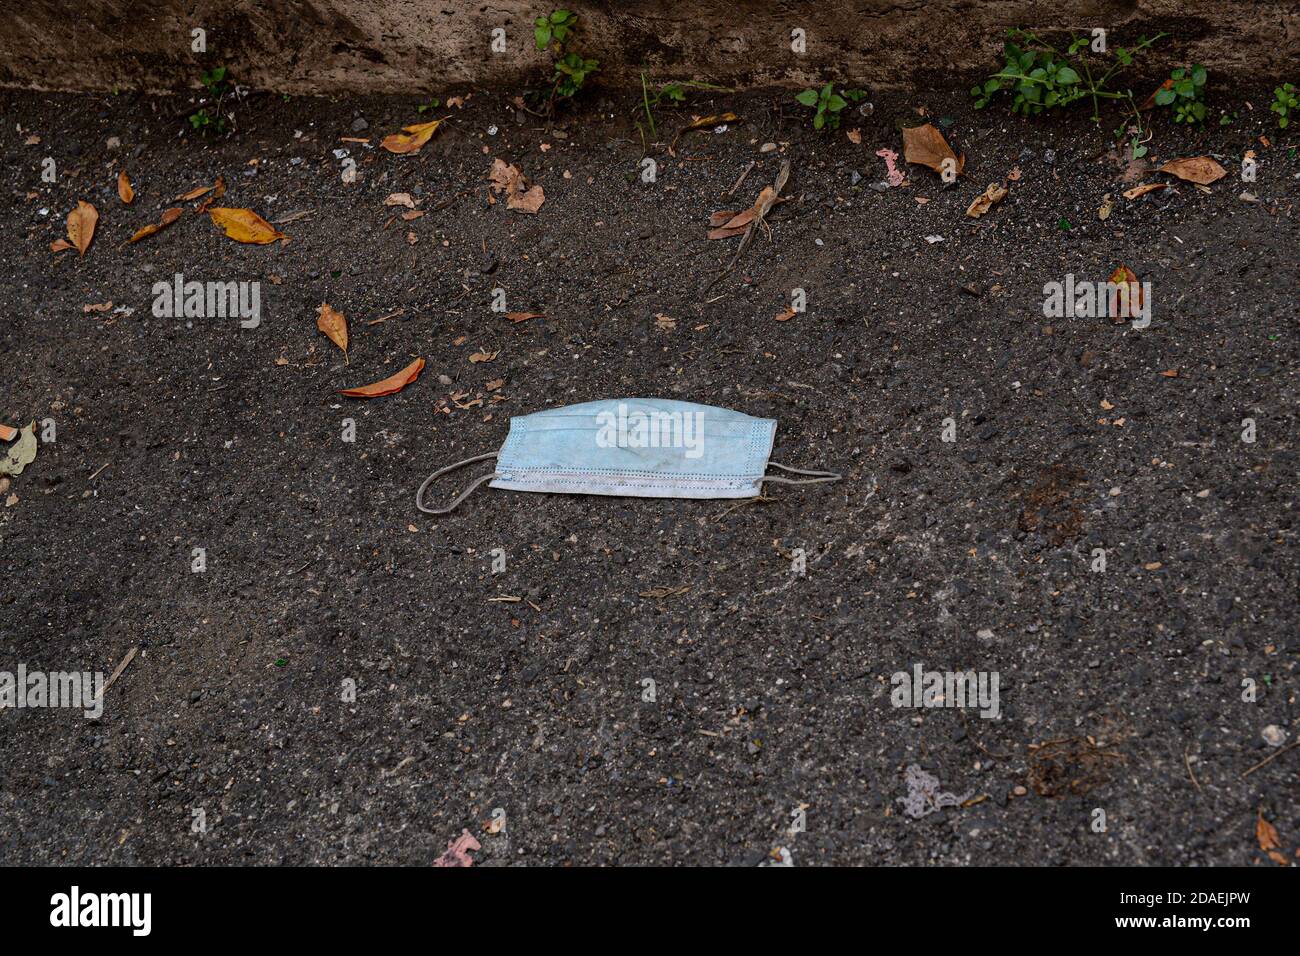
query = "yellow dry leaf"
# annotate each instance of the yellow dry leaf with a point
(124, 190)
(244, 225)
(411, 138)
(332, 322)
(81, 226)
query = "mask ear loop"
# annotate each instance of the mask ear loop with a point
(822, 476)
(419, 495)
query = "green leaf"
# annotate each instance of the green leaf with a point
(819, 120)
(836, 103)
(807, 98)
(542, 34)
(1198, 75)
(1067, 76)
(992, 85)
(1165, 97)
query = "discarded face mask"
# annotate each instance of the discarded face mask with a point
(640, 447)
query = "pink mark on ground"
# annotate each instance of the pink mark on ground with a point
(896, 178)
(458, 851)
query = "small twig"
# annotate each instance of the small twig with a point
(740, 181)
(130, 656)
(97, 473)
(978, 745)
(1267, 760)
(1191, 773)
(385, 318)
(761, 499)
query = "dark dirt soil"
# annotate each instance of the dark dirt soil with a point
(773, 690)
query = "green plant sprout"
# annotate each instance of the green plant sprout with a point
(1285, 99)
(828, 104)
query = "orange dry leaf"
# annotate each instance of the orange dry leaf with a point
(926, 145)
(411, 138)
(196, 192)
(1196, 169)
(524, 316)
(388, 386)
(169, 216)
(124, 190)
(81, 229)
(244, 225)
(1127, 281)
(331, 321)
(1266, 834)
(218, 190)
(785, 316)
(1170, 373)
(484, 356)
(8, 433)
(1142, 190)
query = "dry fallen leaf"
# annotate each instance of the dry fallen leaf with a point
(1170, 373)
(411, 138)
(169, 216)
(195, 193)
(665, 323)
(495, 384)
(394, 383)
(926, 145)
(124, 190)
(400, 199)
(855, 136)
(1196, 169)
(519, 194)
(985, 200)
(524, 316)
(700, 122)
(412, 214)
(7, 432)
(483, 355)
(1127, 281)
(1107, 207)
(81, 229)
(785, 315)
(244, 225)
(1266, 834)
(218, 190)
(97, 307)
(1142, 190)
(21, 453)
(331, 321)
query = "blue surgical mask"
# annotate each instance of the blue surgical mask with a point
(641, 447)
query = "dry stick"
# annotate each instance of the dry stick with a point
(1270, 759)
(1191, 773)
(130, 656)
(740, 181)
(748, 237)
